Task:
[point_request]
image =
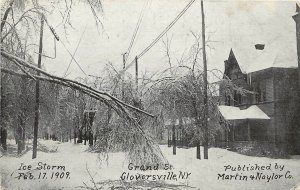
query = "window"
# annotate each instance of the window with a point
(237, 98)
(260, 95)
(263, 95)
(227, 100)
(257, 95)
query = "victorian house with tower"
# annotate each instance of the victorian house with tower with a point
(267, 117)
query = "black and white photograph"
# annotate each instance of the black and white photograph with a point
(150, 95)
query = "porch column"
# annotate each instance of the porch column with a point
(227, 130)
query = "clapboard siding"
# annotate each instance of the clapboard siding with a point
(277, 89)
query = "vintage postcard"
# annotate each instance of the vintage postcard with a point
(150, 94)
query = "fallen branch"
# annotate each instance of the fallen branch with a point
(102, 95)
(137, 134)
(24, 71)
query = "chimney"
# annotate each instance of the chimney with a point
(295, 138)
(296, 18)
(259, 46)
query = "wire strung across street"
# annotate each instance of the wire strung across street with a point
(136, 30)
(160, 35)
(75, 53)
(73, 58)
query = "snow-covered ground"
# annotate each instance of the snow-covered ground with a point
(202, 174)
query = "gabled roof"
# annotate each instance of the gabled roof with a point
(279, 54)
(275, 55)
(245, 56)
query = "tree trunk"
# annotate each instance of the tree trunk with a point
(75, 134)
(23, 138)
(80, 138)
(85, 135)
(96, 135)
(169, 144)
(3, 132)
(198, 152)
(70, 136)
(181, 137)
(21, 134)
(91, 138)
(95, 138)
(179, 130)
(174, 140)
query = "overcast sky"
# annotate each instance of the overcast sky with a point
(229, 24)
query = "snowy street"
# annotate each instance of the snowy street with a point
(77, 164)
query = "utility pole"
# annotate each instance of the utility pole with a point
(124, 59)
(37, 93)
(136, 74)
(1, 124)
(124, 64)
(205, 85)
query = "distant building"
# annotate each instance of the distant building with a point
(177, 131)
(267, 117)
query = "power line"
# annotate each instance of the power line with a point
(136, 29)
(161, 34)
(75, 51)
(73, 58)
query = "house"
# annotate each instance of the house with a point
(267, 116)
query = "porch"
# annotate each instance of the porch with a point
(243, 127)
